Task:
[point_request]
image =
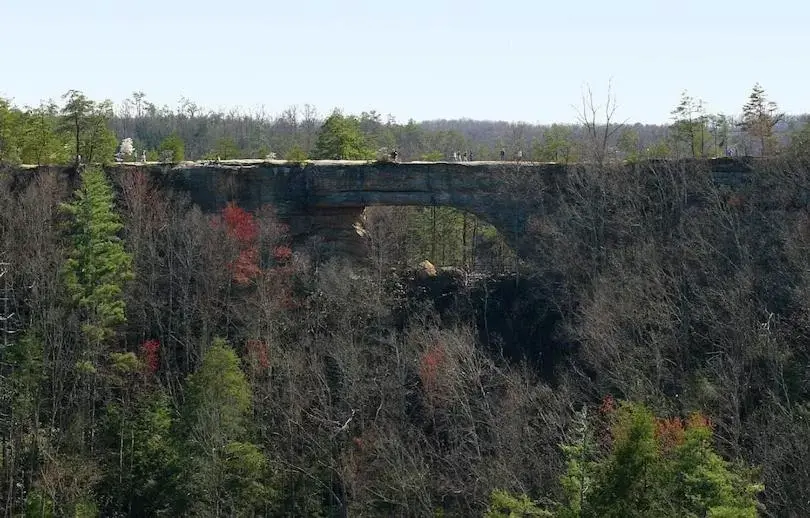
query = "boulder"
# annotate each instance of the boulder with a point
(426, 269)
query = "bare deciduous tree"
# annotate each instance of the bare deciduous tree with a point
(599, 123)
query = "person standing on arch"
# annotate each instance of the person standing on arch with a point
(503, 154)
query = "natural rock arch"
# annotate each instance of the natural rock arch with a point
(325, 197)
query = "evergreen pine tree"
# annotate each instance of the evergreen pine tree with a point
(759, 118)
(98, 266)
(225, 471)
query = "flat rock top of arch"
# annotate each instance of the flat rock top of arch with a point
(741, 164)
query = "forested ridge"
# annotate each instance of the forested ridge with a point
(648, 356)
(55, 132)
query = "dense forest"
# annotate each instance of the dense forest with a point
(648, 356)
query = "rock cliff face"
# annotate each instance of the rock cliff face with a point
(324, 199)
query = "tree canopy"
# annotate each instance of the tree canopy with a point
(340, 138)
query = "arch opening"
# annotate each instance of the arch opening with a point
(402, 237)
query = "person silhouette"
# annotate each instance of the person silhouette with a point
(503, 154)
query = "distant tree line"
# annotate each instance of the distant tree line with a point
(54, 133)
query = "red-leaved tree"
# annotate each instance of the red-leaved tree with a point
(257, 352)
(150, 353)
(240, 226)
(669, 432)
(432, 364)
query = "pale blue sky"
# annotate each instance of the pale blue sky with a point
(506, 60)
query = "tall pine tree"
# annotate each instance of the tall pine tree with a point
(97, 266)
(225, 471)
(759, 118)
